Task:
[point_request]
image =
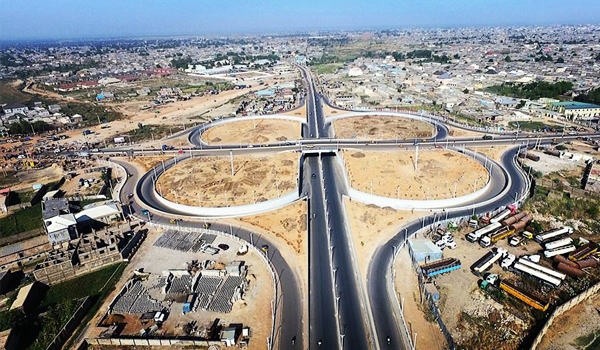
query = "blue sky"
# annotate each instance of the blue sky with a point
(50, 19)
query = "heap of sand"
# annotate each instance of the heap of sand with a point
(440, 174)
(208, 181)
(375, 127)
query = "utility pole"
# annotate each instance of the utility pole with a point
(231, 161)
(416, 157)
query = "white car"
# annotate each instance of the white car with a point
(440, 244)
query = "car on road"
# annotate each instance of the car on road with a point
(488, 137)
(314, 176)
(264, 248)
(173, 221)
(130, 195)
(145, 212)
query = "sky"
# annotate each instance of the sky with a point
(72, 19)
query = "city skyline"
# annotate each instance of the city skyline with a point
(36, 20)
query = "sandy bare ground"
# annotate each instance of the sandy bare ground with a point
(286, 228)
(31, 177)
(208, 181)
(300, 112)
(328, 111)
(494, 153)
(147, 163)
(580, 321)
(372, 226)
(429, 335)
(178, 113)
(457, 132)
(253, 132)
(376, 127)
(392, 174)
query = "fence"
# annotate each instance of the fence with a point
(573, 191)
(18, 237)
(179, 343)
(562, 309)
(73, 322)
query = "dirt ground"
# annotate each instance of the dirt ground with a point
(579, 322)
(207, 181)
(392, 174)
(429, 335)
(381, 128)
(328, 111)
(174, 113)
(31, 177)
(253, 132)
(372, 226)
(457, 132)
(71, 187)
(549, 164)
(494, 153)
(147, 163)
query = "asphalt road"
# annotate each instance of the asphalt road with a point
(337, 307)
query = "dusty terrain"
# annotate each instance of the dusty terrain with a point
(458, 132)
(392, 174)
(429, 335)
(286, 228)
(376, 127)
(71, 187)
(253, 132)
(208, 182)
(574, 329)
(328, 111)
(372, 226)
(147, 163)
(494, 153)
(31, 177)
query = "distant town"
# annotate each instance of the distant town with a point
(392, 189)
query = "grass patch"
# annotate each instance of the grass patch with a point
(147, 132)
(327, 68)
(63, 299)
(22, 221)
(533, 126)
(589, 341)
(8, 180)
(80, 287)
(10, 92)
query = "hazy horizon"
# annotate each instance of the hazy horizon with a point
(67, 19)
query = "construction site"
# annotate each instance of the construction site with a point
(227, 181)
(211, 285)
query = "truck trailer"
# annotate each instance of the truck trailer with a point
(553, 281)
(442, 266)
(542, 237)
(475, 235)
(487, 261)
(525, 297)
(558, 243)
(502, 215)
(584, 251)
(543, 269)
(558, 251)
(501, 233)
